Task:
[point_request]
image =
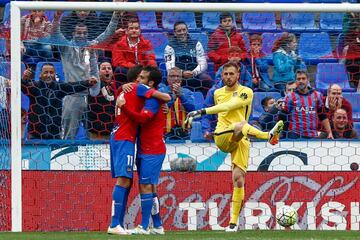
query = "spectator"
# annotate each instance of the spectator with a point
(87, 18)
(188, 55)
(132, 49)
(340, 126)
(79, 62)
(352, 48)
(303, 107)
(4, 108)
(35, 26)
(102, 107)
(182, 101)
(46, 98)
(235, 54)
(335, 100)
(224, 37)
(286, 61)
(268, 118)
(257, 65)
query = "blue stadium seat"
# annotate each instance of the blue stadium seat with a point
(211, 20)
(162, 67)
(259, 21)
(315, 48)
(202, 38)
(268, 42)
(211, 70)
(199, 100)
(298, 21)
(159, 41)
(169, 18)
(331, 21)
(58, 68)
(196, 132)
(328, 73)
(286, 1)
(340, 44)
(325, 1)
(6, 15)
(148, 21)
(5, 69)
(256, 105)
(3, 51)
(357, 127)
(354, 99)
(246, 39)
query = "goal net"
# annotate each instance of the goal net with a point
(62, 119)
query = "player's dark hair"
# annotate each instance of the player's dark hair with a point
(133, 73)
(225, 15)
(265, 101)
(154, 75)
(231, 64)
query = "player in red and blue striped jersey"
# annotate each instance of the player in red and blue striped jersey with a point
(150, 155)
(122, 149)
(302, 108)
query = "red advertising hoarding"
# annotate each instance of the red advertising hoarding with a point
(81, 200)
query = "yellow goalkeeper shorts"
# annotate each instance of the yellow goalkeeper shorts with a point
(239, 150)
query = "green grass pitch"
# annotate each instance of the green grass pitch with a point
(190, 235)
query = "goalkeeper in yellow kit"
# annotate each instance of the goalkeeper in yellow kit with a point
(233, 106)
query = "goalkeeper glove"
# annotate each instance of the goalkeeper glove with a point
(193, 115)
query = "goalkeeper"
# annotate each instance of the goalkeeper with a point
(233, 106)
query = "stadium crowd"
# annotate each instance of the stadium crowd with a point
(74, 62)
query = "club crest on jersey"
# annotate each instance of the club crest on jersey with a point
(243, 96)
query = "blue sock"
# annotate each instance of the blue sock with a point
(118, 207)
(125, 200)
(155, 212)
(146, 205)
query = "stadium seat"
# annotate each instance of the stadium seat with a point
(58, 68)
(258, 21)
(6, 15)
(315, 48)
(199, 100)
(162, 67)
(245, 36)
(328, 73)
(5, 70)
(298, 21)
(286, 1)
(257, 108)
(3, 51)
(202, 38)
(357, 127)
(268, 42)
(169, 18)
(340, 44)
(148, 21)
(354, 99)
(211, 70)
(159, 41)
(211, 20)
(331, 21)
(196, 132)
(325, 1)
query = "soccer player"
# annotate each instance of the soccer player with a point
(150, 152)
(122, 149)
(233, 106)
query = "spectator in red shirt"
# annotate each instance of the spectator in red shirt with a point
(224, 37)
(335, 100)
(131, 50)
(340, 126)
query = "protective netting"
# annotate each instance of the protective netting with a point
(62, 54)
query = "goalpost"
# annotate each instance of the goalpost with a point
(18, 6)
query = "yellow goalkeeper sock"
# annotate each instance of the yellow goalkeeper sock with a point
(237, 199)
(250, 130)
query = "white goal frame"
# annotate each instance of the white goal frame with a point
(17, 6)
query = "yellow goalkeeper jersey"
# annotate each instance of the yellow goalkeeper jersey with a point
(231, 106)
